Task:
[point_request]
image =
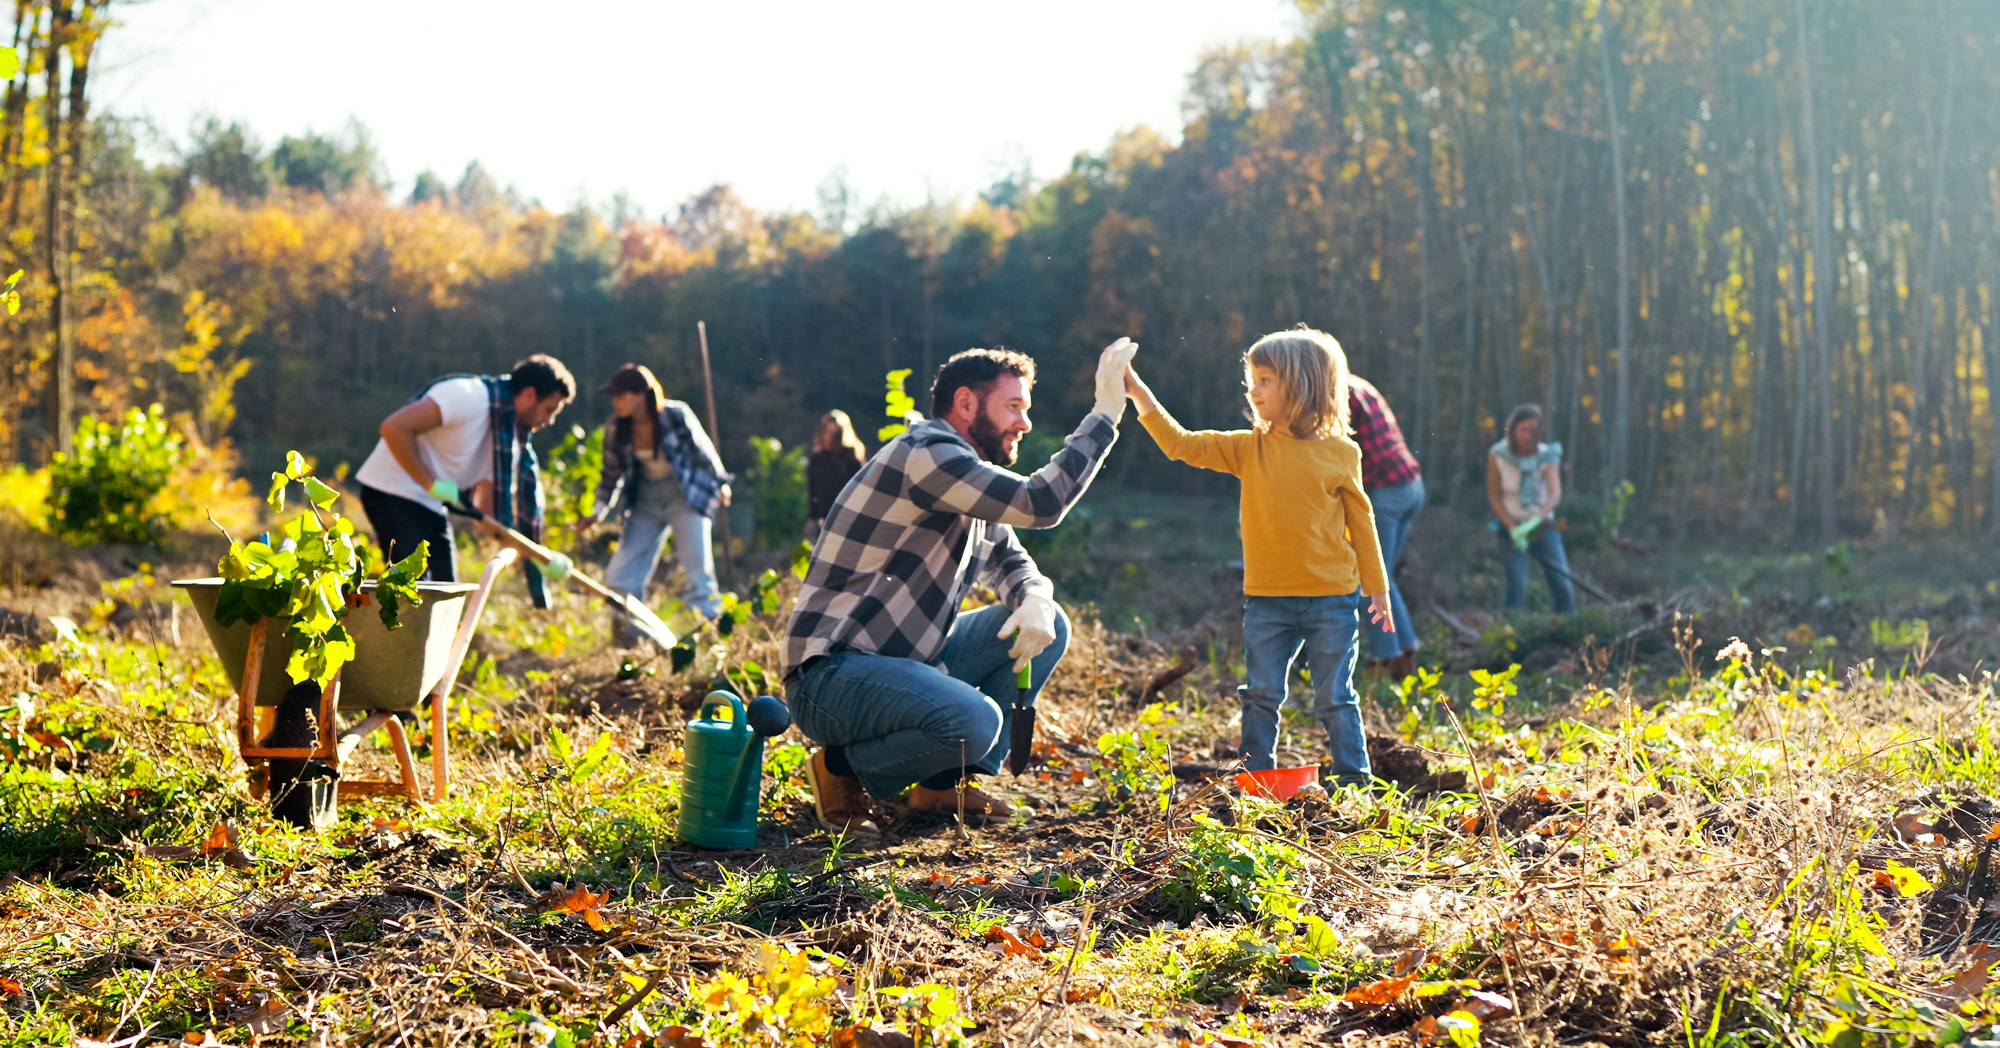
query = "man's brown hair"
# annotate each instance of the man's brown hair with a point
(977, 370)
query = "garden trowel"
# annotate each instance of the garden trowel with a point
(1021, 743)
(643, 619)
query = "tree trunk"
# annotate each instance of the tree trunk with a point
(61, 388)
(1426, 414)
(1620, 440)
(1468, 253)
(1918, 443)
(1990, 341)
(1822, 249)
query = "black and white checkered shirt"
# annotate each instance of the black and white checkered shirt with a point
(923, 522)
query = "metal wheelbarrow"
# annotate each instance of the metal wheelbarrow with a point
(392, 672)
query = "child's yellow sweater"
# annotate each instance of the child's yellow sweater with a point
(1308, 529)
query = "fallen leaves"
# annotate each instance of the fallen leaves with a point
(1005, 943)
(8, 986)
(560, 898)
(1379, 992)
(220, 842)
(1973, 980)
(1411, 959)
(1902, 880)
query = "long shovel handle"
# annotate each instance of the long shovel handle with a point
(528, 547)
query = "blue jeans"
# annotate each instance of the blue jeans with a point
(1274, 629)
(1396, 512)
(1545, 545)
(658, 510)
(902, 721)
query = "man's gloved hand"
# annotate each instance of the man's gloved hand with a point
(445, 490)
(1111, 366)
(558, 567)
(1033, 627)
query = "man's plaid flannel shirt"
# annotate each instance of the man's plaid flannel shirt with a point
(1386, 461)
(923, 522)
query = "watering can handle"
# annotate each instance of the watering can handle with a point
(739, 720)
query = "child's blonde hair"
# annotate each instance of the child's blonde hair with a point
(1312, 373)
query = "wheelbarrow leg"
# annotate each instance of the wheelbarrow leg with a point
(475, 605)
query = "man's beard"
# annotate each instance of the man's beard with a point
(989, 441)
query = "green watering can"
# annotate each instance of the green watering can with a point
(722, 768)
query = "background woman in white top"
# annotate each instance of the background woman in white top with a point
(663, 476)
(1524, 486)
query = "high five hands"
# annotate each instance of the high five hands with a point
(1111, 367)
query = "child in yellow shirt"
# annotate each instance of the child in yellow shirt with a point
(1309, 545)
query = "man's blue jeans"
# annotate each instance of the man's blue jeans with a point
(1396, 512)
(1274, 630)
(1545, 545)
(902, 721)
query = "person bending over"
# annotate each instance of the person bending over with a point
(900, 690)
(1524, 486)
(1311, 558)
(465, 435)
(1395, 486)
(663, 478)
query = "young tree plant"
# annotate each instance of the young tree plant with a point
(306, 580)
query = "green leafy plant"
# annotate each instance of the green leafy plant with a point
(778, 499)
(107, 489)
(898, 405)
(307, 579)
(1135, 762)
(1226, 874)
(1614, 507)
(1491, 690)
(570, 479)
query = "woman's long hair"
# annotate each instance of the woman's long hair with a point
(635, 378)
(1312, 374)
(1521, 413)
(842, 437)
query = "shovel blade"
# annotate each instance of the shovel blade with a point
(1021, 744)
(648, 624)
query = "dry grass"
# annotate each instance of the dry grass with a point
(1724, 862)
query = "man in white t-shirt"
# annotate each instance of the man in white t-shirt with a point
(440, 447)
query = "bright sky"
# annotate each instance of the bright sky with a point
(662, 99)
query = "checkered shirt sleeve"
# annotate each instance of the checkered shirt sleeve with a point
(922, 522)
(1386, 461)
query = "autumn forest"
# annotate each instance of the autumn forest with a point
(1744, 253)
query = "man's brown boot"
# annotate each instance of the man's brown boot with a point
(1402, 666)
(978, 803)
(839, 800)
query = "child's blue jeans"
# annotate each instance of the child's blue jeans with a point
(1274, 630)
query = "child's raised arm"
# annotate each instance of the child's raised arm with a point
(1209, 449)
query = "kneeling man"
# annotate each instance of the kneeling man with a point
(898, 688)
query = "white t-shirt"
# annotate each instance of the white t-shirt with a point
(460, 450)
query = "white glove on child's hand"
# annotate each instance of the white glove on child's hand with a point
(1033, 627)
(1111, 366)
(558, 567)
(445, 490)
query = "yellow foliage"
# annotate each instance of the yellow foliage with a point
(206, 485)
(24, 496)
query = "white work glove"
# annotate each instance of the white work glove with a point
(558, 567)
(445, 490)
(1111, 366)
(1033, 627)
